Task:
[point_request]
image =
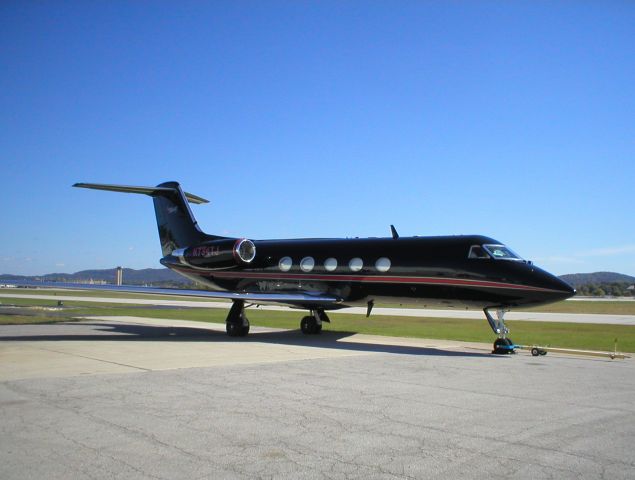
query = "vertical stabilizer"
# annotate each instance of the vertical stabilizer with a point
(177, 226)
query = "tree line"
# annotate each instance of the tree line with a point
(614, 289)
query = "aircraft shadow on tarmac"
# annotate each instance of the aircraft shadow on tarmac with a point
(99, 331)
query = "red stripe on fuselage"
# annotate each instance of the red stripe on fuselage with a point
(456, 282)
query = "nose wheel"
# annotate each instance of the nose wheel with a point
(503, 345)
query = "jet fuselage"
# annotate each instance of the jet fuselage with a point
(424, 271)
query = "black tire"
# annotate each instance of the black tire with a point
(535, 352)
(305, 325)
(318, 329)
(233, 329)
(501, 346)
(309, 325)
(500, 342)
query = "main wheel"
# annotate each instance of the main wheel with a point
(535, 352)
(309, 325)
(235, 329)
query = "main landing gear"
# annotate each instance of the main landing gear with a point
(312, 324)
(237, 324)
(503, 345)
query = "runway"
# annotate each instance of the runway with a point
(401, 312)
(146, 398)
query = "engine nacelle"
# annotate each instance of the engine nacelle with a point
(218, 254)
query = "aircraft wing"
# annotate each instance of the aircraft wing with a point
(299, 299)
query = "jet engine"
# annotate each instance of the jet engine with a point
(218, 254)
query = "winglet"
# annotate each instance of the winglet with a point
(394, 232)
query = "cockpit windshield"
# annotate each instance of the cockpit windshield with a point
(477, 251)
(501, 252)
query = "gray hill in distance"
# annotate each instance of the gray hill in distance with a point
(578, 279)
(146, 276)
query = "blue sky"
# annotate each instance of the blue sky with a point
(319, 119)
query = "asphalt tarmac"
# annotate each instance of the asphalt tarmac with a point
(131, 398)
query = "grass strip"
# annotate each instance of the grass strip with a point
(565, 335)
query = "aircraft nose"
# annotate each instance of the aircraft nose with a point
(552, 288)
(567, 290)
(558, 288)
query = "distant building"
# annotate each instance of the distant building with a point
(119, 276)
(631, 289)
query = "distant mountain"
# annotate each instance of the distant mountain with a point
(144, 276)
(578, 279)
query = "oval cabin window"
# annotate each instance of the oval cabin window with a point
(330, 264)
(307, 264)
(382, 264)
(356, 264)
(285, 264)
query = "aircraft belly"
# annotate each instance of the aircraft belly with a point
(368, 289)
(459, 296)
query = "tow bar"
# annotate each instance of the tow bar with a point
(537, 350)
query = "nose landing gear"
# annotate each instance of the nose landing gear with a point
(503, 345)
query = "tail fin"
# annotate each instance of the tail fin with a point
(177, 226)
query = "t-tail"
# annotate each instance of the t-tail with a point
(177, 226)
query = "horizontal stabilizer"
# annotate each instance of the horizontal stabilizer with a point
(144, 190)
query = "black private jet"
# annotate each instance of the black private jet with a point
(320, 275)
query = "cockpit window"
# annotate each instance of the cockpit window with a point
(501, 252)
(476, 251)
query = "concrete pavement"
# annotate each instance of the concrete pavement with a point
(136, 399)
